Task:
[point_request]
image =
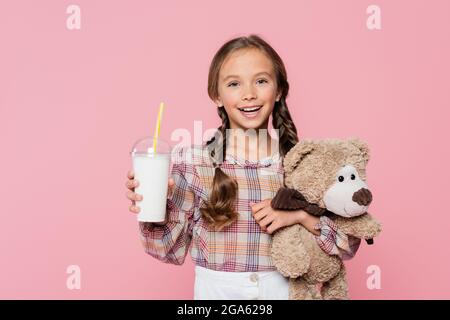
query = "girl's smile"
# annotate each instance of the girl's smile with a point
(250, 111)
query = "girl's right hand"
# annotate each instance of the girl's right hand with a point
(133, 183)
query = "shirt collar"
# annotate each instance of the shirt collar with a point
(264, 162)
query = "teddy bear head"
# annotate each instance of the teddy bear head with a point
(330, 173)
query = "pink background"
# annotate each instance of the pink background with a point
(73, 102)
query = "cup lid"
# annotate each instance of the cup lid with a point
(145, 146)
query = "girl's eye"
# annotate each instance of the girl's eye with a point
(262, 81)
(232, 84)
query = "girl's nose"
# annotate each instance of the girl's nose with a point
(249, 93)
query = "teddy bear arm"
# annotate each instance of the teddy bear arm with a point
(362, 227)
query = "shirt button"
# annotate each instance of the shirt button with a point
(253, 277)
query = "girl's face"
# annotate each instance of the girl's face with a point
(247, 89)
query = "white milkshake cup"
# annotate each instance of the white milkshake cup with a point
(152, 170)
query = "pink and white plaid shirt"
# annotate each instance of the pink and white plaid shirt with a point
(240, 247)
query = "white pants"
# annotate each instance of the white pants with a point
(220, 285)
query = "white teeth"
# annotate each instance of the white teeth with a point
(249, 109)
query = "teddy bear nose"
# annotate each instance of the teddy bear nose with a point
(363, 197)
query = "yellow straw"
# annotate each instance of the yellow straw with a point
(158, 125)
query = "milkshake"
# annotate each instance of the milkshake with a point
(151, 169)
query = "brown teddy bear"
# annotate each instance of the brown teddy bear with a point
(323, 177)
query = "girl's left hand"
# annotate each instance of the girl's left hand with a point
(270, 219)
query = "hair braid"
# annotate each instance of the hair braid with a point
(219, 211)
(281, 120)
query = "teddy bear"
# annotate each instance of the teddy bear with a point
(325, 178)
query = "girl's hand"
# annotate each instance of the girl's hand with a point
(133, 183)
(271, 220)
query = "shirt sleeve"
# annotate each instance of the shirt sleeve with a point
(333, 241)
(170, 242)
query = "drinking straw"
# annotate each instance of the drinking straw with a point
(158, 125)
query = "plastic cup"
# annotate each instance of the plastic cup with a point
(152, 170)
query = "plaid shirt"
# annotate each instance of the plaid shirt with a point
(239, 247)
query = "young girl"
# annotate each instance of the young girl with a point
(219, 195)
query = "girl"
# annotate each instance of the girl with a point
(219, 195)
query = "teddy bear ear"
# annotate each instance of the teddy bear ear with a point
(296, 154)
(363, 147)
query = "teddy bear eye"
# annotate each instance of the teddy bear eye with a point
(352, 177)
(341, 178)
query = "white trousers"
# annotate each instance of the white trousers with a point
(220, 285)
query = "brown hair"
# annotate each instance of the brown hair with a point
(219, 210)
